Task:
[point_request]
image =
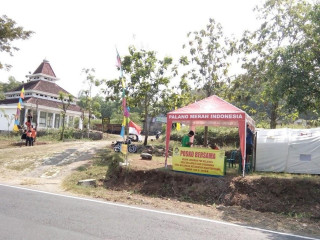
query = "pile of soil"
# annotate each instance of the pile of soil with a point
(294, 196)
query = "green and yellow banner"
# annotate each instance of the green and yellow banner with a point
(198, 160)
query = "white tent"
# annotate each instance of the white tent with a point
(288, 150)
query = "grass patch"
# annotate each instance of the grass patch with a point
(103, 164)
(20, 166)
(96, 172)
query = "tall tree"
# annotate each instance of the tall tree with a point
(300, 66)
(89, 103)
(10, 85)
(265, 55)
(8, 33)
(208, 53)
(147, 78)
(65, 103)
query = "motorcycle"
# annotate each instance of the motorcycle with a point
(131, 147)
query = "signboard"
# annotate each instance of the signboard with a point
(198, 160)
(124, 148)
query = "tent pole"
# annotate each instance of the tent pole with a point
(168, 131)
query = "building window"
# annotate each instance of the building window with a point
(50, 120)
(70, 124)
(42, 119)
(57, 121)
(34, 117)
(76, 123)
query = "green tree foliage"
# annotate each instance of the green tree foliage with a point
(87, 102)
(147, 80)
(208, 57)
(9, 86)
(274, 60)
(8, 33)
(106, 107)
(300, 66)
(65, 103)
(208, 54)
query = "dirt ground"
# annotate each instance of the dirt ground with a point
(281, 204)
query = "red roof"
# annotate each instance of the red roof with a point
(45, 68)
(211, 111)
(212, 104)
(48, 103)
(43, 86)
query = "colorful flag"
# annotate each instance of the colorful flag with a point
(123, 103)
(118, 59)
(119, 64)
(178, 127)
(124, 148)
(123, 83)
(124, 122)
(17, 116)
(122, 131)
(22, 93)
(15, 128)
(134, 128)
(126, 112)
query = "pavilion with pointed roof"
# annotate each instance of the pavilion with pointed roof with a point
(41, 101)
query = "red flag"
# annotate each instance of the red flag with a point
(134, 128)
(118, 60)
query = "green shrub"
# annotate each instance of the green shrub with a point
(222, 136)
(114, 161)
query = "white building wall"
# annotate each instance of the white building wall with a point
(10, 111)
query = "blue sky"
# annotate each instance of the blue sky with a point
(73, 35)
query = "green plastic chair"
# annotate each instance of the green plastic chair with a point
(232, 159)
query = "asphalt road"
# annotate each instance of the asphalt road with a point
(28, 214)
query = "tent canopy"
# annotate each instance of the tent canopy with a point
(211, 111)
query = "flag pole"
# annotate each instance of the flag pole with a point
(124, 147)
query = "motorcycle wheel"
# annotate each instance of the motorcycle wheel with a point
(132, 148)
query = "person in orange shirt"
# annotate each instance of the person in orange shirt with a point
(33, 135)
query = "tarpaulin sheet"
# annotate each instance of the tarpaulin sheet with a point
(288, 150)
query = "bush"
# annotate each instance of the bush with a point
(70, 133)
(94, 135)
(114, 161)
(221, 136)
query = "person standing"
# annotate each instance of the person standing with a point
(249, 142)
(33, 135)
(29, 138)
(185, 142)
(23, 137)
